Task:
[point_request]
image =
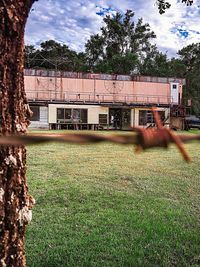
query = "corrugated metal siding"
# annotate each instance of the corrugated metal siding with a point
(43, 122)
(44, 114)
(65, 89)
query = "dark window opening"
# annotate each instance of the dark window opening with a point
(120, 118)
(84, 115)
(126, 118)
(162, 115)
(103, 119)
(146, 117)
(115, 118)
(66, 115)
(142, 117)
(60, 113)
(36, 113)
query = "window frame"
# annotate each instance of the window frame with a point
(103, 121)
(36, 113)
(75, 117)
(150, 113)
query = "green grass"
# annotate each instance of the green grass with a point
(102, 205)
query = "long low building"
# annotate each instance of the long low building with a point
(66, 100)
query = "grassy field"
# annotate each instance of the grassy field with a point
(102, 205)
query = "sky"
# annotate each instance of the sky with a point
(73, 22)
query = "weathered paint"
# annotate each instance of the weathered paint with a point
(93, 111)
(101, 76)
(94, 90)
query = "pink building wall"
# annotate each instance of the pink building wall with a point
(76, 89)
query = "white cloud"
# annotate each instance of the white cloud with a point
(73, 22)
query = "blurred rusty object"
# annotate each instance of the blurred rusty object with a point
(143, 138)
(161, 137)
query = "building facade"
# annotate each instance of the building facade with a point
(67, 100)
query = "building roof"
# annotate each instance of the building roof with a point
(101, 76)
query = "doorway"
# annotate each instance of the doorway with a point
(119, 118)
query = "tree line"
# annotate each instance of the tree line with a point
(123, 46)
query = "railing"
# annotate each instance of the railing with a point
(100, 76)
(76, 75)
(98, 98)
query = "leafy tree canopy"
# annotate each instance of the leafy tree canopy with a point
(163, 4)
(190, 57)
(52, 55)
(121, 41)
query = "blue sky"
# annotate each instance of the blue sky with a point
(72, 22)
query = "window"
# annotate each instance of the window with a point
(146, 116)
(162, 115)
(103, 119)
(80, 115)
(84, 113)
(63, 114)
(36, 113)
(174, 86)
(76, 115)
(60, 114)
(67, 115)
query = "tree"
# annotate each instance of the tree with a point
(15, 202)
(30, 53)
(118, 64)
(190, 57)
(56, 55)
(94, 50)
(156, 63)
(163, 4)
(177, 68)
(53, 55)
(121, 40)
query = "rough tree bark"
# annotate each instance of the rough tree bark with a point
(15, 203)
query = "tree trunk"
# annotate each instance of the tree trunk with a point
(15, 203)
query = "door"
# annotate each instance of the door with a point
(174, 93)
(126, 118)
(120, 118)
(115, 118)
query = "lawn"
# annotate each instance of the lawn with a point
(103, 205)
